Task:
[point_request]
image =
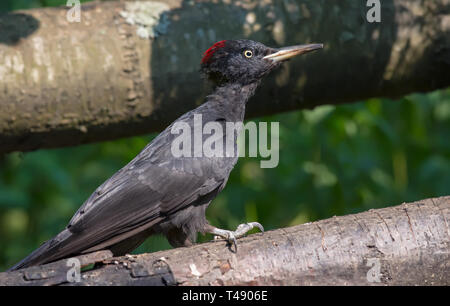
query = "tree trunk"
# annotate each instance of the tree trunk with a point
(407, 244)
(119, 73)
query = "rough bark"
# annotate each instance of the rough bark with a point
(407, 244)
(69, 83)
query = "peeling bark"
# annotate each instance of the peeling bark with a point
(118, 73)
(407, 244)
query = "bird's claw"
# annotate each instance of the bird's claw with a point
(232, 236)
(246, 227)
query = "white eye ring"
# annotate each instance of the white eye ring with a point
(248, 53)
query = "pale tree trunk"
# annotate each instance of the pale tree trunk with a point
(407, 244)
(68, 83)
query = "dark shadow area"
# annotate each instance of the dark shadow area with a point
(15, 26)
(435, 60)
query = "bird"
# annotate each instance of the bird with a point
(158, 193)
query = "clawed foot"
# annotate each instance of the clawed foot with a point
(240, 231)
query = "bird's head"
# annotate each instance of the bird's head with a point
(246, 61)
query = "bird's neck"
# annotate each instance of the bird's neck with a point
(232, 98)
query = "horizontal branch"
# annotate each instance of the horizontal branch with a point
(126, 69)
(407, 244)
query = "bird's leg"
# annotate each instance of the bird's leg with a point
(231, 236)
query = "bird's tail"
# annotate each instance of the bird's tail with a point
(49, 251)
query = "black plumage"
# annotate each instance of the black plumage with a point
(159, 193)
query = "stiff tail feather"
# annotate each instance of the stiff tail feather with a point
(49, 251)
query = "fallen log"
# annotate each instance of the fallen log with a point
(407, 244)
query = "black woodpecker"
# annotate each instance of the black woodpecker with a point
(159, 193)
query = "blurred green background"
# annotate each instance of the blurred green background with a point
(333, 161)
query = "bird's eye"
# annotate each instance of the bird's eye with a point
(248, 53)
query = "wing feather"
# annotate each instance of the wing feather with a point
(153, 185)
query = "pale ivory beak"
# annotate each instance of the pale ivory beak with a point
(285, 53)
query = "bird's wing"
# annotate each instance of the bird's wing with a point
(135, 198)
(139, 195)
(151, 186)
